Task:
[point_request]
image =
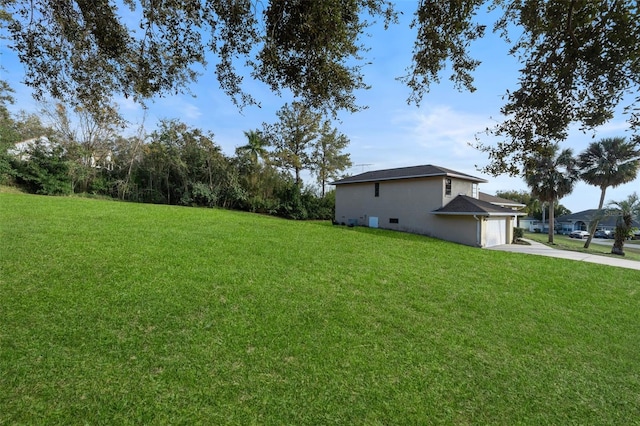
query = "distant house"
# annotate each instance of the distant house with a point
(531, 224)
(98, 159)
(101, 159)
(428, 200)
(581, 221)
(21, 149)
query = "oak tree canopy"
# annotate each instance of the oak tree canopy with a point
(579, 57)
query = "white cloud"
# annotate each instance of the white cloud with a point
(440, 135)
(187, 110)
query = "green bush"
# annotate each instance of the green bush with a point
(100, 185)
(258, 204)
(203, 195)
(518, 233)
(291, 203)
(46, 172)
(7, 173)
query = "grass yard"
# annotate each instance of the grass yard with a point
(116, 313)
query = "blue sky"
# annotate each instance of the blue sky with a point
(390, 133)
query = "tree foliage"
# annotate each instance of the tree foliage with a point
(7, 131)
(628, 210)
(291, 137)
(300, 140)
(6, 97)
(551, 176)
(14, 129)
(46, 170)
(184, 166)
(578, 58)
(533, 207)
(256, 146)
(606, 163)
(327, 157)
(175, 164)
(86, 51)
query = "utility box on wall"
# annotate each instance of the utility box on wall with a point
(373, 222)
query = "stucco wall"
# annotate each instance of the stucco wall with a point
(411, 201)
(459, 229)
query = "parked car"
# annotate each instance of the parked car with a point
(579, 234)
(603, 234)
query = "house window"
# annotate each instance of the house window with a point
(447, 186)
(393, 220)
(377, 189)
(474, 190)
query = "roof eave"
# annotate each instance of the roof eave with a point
(469, 178)
(479, 213)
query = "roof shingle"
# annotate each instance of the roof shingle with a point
(465, 205)
(406, 173)
(498, 200)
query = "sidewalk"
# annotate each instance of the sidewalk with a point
(542, 250)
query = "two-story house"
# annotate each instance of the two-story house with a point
(427, 200)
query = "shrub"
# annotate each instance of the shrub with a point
(518, 233)
(46, 172)
(291, 203)
(203, 195)
(7, 172)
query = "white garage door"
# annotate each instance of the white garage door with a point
(496, 232)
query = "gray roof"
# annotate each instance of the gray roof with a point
(609, 218)
(406, 173)
(498, 200)
(465, 205)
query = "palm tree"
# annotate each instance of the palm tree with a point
(606, 163)
(551, 177)
(256, 146)
(627, 210)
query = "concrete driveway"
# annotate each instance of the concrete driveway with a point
(539, 249)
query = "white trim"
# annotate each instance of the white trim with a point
(478, 214)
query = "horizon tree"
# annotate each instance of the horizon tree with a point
(291, 138)
(327, 157)
(628, 209)
(533, 207)
(551, 175)
(85, 137)
(256, 146)
(252, 160)
(578, 60)
(609, 162)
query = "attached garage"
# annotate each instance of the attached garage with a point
(495, 232)
(494, 224)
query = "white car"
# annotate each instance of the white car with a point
(579, 234)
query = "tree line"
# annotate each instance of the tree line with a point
(606, 163)
(176, 164)
(578, 60)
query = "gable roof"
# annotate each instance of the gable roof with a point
(406, 173)
(499, 200)
(465, 205)
(21, 149)
(587, 216)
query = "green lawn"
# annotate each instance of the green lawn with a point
(116, 313)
